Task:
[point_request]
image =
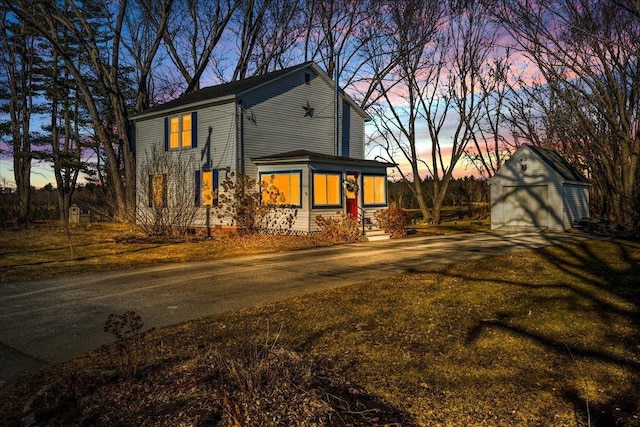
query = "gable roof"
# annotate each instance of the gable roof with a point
(558, 163)
(550, 158)
(227, 92)
(310, 156)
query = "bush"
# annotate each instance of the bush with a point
(394, 221)
(127, 352)
(254, 206)
(335, 230)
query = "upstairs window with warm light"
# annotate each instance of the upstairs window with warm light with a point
(180, 131)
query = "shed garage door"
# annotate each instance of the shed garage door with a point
(526, 205)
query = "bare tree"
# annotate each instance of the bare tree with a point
(587, 54)
(435, 87)
(266, 33)
(335, 30)
(491, 142)
(352, 38)
(412, 29)
(192, 33)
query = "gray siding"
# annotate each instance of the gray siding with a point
(274, 119)
(215, 128)
(525, 205)
(576, 203)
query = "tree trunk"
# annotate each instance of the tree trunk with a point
(22, 174)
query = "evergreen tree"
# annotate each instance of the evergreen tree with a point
(19, 90)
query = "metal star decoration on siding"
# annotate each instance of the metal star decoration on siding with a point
(308, 111)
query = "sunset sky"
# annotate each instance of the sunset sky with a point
(42, 172)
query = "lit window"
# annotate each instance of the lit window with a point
(186, 130)
(282, 188)
(174, 136)
(374, 190)
(157, 191)
(206, 186)
(327, 189)
(180, 131)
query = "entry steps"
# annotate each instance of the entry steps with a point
(372, 232)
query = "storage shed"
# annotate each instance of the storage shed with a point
(538, 188)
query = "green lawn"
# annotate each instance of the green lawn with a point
(549, 337)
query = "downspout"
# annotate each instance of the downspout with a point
(240, 137)
(309, 198)
(336, 107)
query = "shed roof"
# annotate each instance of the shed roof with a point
(228, 91)
(558, 163)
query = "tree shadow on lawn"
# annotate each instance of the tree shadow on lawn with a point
(596, 285)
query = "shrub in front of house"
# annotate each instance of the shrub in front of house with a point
(394, 221)
(339, 229)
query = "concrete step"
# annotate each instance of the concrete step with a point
(375, 233)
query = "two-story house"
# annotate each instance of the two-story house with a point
(291, 128)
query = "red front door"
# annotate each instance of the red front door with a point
(351, 190)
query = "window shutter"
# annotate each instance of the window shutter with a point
(215, 186)
(166, 134)
(164, 190)
(194, 129)
(346, 129)
(196, 185)
(150, 191)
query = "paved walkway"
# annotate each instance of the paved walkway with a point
(49, 321)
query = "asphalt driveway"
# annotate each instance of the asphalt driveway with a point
(49, 321)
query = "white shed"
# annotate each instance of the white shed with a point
(538, 188)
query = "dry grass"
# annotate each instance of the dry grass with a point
(535, 338)
(446, 228)
(44, 249)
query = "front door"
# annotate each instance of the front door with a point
(351, 190)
